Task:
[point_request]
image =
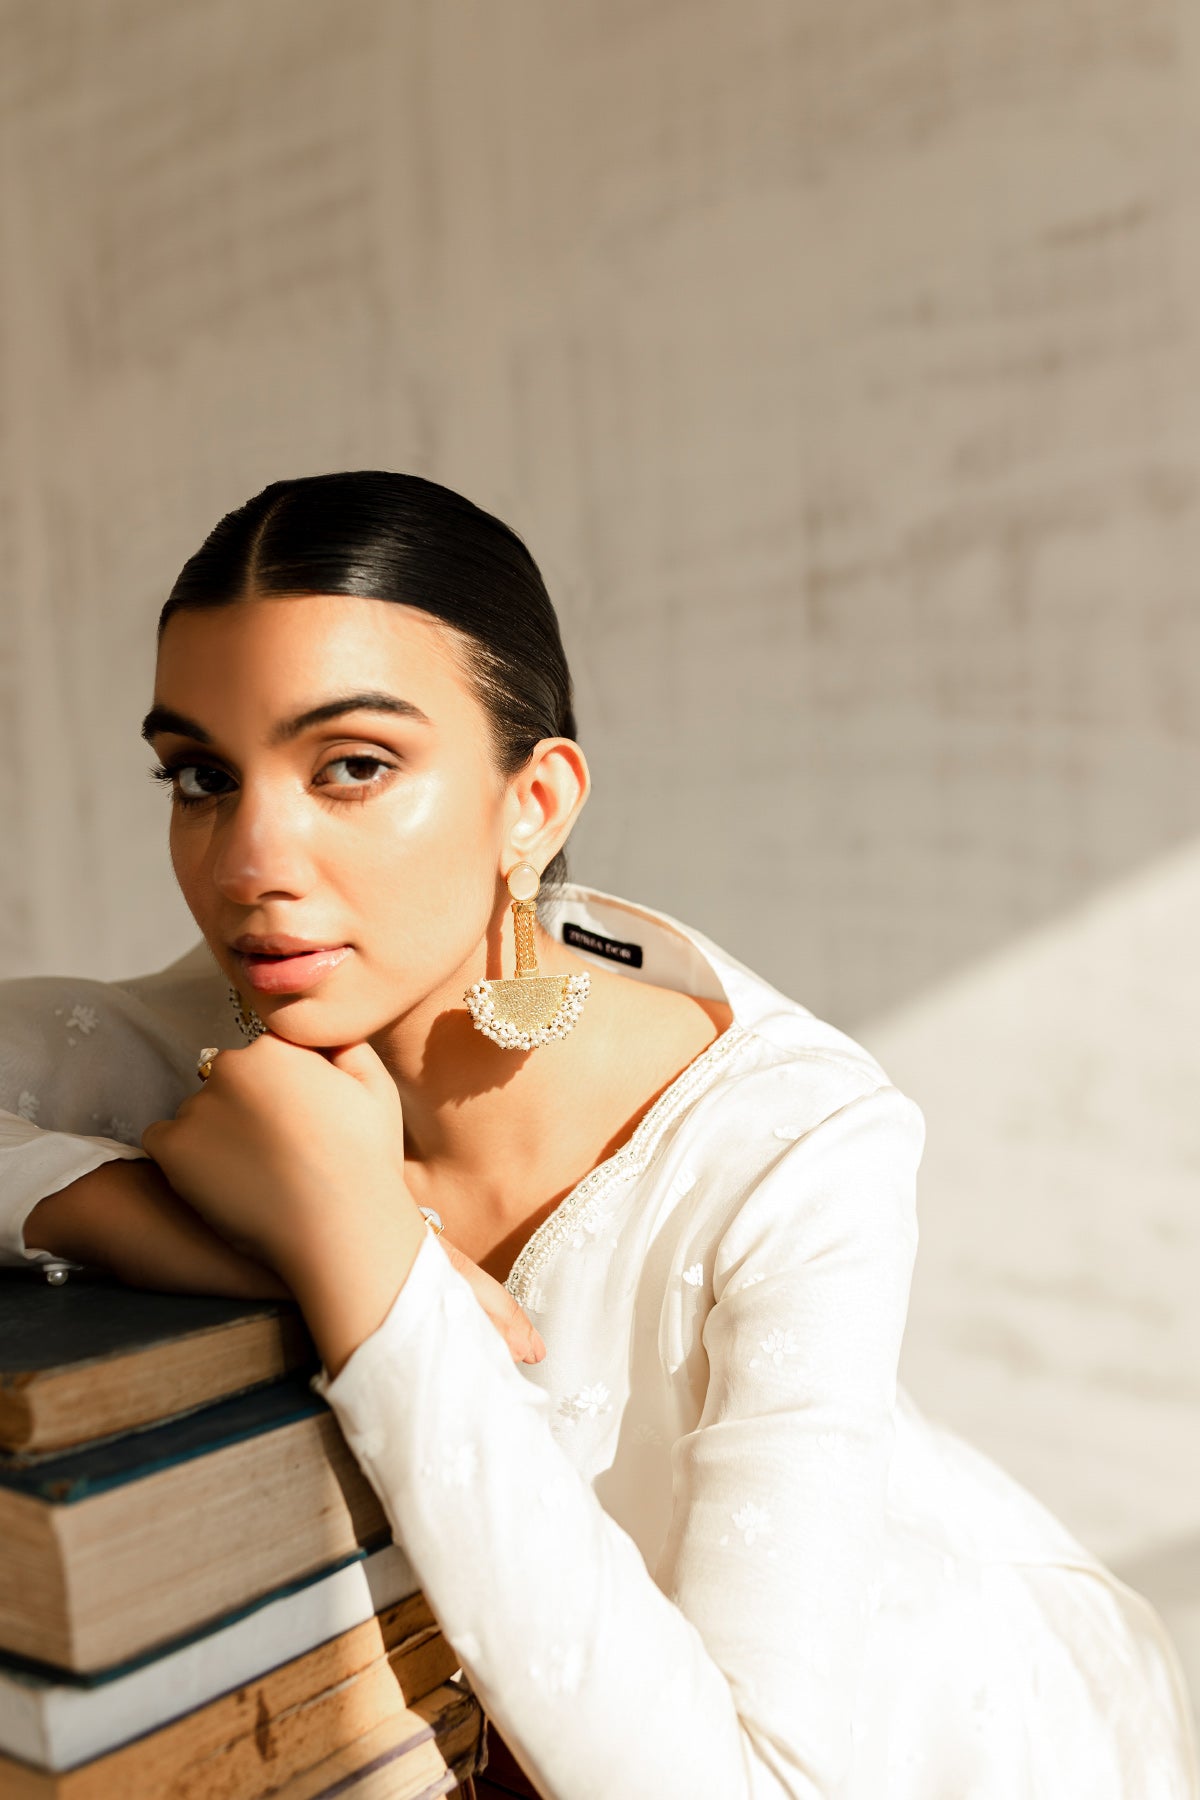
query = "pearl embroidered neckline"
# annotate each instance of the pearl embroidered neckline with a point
(624, 1163)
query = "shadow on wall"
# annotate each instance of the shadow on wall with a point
(1053, 1317)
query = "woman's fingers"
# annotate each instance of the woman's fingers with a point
(519, 1333)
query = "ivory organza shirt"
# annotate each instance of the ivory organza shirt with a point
(709, 1549)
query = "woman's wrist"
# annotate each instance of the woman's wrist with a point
(346, 1276)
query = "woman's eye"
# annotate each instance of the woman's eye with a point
(193, 778)
(192, 783)
(356, 772)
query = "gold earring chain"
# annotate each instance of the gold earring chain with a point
(524, 920)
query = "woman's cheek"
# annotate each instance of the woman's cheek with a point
(441, 848)
(186, 850)
(415, 897)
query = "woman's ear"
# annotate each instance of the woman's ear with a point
(545, 798)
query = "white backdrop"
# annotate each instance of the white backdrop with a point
(839, 364)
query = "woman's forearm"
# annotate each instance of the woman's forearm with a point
(126, 1218)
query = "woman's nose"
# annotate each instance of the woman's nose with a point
(260, 850)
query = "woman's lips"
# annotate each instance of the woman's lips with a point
(290, 974)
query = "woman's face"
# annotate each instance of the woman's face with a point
(333, 783)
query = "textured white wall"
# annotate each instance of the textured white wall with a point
(839, 363)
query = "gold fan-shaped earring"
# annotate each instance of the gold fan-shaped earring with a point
(531, 1009)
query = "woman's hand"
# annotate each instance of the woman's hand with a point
(515, 1327)
(285, 1150)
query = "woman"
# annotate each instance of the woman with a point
(681, 1526)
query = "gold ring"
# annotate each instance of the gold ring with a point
(205, 1062)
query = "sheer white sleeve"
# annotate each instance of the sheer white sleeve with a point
(85, 1066)
(34, 1163)
(731, 1668)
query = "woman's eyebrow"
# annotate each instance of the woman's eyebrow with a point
(165, 718)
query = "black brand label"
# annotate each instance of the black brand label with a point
(613, 948)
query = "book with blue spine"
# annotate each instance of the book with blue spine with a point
(93, 1357)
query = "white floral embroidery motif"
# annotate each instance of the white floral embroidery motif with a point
(27, 1106)
(748, 1281)
(685, 1181)
(368, 1443)
(586, 1403)
(591, 1222)
(777, 1345)
(121, 1129)
(982, 1704)
(83, 1019)
(553, 1494)
(835, 1444)
(562, 1671)
(752, 1521)
(646, 1434)
(457, 1468)
(694, 1276)
(789, 1133)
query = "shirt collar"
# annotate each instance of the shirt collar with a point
(672, 954)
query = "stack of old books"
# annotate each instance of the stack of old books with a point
(199, 1597)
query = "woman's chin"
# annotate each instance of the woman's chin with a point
(302, 1021)
(310, 1027)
